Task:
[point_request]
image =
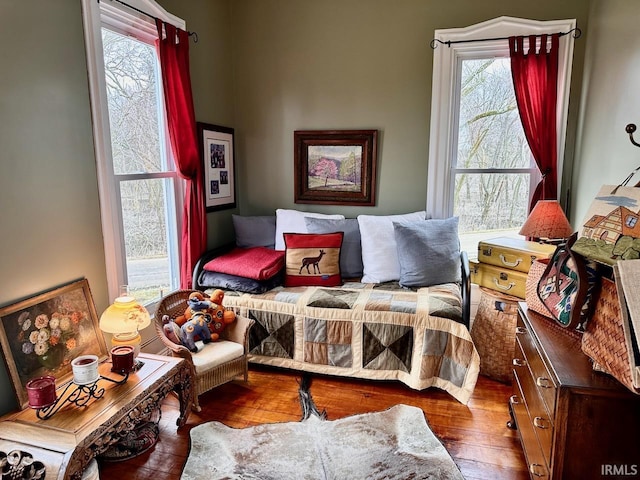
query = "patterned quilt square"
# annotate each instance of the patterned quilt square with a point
(328, 342)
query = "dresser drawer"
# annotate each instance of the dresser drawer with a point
(499, 279)
(535, 458)
(538, 416)
(542, 379)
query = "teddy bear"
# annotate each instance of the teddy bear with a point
(204, 318)
(220, 317)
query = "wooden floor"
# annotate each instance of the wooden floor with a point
(475, 435)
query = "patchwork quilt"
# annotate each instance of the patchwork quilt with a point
(374, 331)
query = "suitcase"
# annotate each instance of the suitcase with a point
(499, 279)
(513, 253)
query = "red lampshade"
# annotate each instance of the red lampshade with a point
(547, 221)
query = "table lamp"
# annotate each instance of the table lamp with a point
(124, 319)
(547, 223)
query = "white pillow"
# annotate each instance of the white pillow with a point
(292, 221)
(379, 251)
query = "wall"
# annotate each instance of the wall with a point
(609, 102)
(338, 64)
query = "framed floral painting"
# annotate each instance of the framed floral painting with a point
(42, 334)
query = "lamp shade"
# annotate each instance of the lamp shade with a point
(125, 315)
(547, 221)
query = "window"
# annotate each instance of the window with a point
(630, 221)
(480, 165)
(140, 190)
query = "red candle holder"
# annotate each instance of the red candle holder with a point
(41, 392)
(122, 359)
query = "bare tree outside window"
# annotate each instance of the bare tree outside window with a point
(139, 161)
(492, 173)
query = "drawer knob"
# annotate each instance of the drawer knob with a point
(537, 470)
(541, 422)
(544, 382)
(521, 330)
(519, 363)
(513, 400)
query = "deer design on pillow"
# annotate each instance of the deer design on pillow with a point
(315, 261)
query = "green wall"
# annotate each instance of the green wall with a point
(610, 101)
(351, 64)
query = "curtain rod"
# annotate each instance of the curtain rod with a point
(191, 34)
(576, 33)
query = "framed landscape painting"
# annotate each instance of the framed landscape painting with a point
(42, 334)
(335, 167)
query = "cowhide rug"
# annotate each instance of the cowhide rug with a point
(393, 444)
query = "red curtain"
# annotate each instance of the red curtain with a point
(535, 80)
(174, 61)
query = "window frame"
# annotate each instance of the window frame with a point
(445, 95)
(96, 14)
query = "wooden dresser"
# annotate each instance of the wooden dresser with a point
(573, 422)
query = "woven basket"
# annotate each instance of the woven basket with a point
(494, 333)
(604, 339)
(531, 288)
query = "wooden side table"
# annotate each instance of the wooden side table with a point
(494, 333)
(65, 443)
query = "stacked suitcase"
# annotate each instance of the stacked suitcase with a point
(503, 263)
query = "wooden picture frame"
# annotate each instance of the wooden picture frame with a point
(42, 334)
(217, 153)
(335, 167)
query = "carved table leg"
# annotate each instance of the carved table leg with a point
(184, 389)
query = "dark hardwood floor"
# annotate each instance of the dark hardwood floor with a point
(475, 435)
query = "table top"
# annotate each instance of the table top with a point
(72, 425)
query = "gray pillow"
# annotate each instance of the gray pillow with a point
(428, 252)
(256, 231)
(351, 252)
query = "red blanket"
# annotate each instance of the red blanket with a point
(257, 263)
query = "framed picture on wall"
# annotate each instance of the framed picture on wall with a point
(218, 160)
(335, 167)
(42, 334)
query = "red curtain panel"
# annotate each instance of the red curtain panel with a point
(535, 80)
(173, 49)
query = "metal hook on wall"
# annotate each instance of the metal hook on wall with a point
(630, 129)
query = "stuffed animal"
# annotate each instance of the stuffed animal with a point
(201, 311)
(221, 317)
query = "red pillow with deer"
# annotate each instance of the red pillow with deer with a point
(312, 259)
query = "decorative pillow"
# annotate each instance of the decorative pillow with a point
(257, 231)
(379, 253)
(239, 284)
(428, 252)
(258, 263)
(351, 253)
(292, 221)
(312, 259)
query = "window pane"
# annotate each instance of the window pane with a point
(486, 202)
(132, 87)
(490, 133)
(145, 222)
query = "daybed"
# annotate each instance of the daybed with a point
(364, 329)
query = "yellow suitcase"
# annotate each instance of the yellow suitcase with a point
(510, 282)
(513, 253)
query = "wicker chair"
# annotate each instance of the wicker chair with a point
(218, 362)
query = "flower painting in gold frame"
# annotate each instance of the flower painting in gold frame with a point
(42, 334)
(335, 167)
